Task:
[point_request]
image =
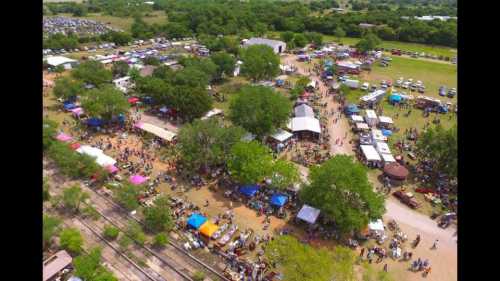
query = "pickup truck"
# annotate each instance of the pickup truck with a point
(406, 199)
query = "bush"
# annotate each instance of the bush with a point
(111, 232)
(198, 276)
(160, 240)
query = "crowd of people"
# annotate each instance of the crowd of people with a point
(64, 25)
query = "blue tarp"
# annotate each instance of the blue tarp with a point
(249, 190)
(351, 109)
(196, 220)
(279, 199)
(94, 122)
(280, 82)
(443, 109)
(147, 100)
(69, 106)
(395, 98)
(386, 133)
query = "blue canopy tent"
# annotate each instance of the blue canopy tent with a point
(249, 190)
(351, 109)
(279, 199)
(69, 106)
(386, 132)
(395, 98)
(147, 100)
(196, 220)
(94, 122)
(280, 82)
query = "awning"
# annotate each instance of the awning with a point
(100, 158)
(112, 169)
(306, 124)
(376, 226)
(279, 199)
(155, 130)
(196, 220)
(75, 146)
(69, 106)
(386, 133)
(308, 214)
(385, 119)
(281, 135)
(137, 179)
(211, 113)
(370, 153)
(388, 158)
(249, 190)
(382, 147)
(208, 229)
(362, 126)
(77, 111)
(63, 137)
(351, 109)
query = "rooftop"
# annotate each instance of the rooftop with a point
(263, 41)
(55, 264)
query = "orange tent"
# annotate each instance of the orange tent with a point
(208, 229)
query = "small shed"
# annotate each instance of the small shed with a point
(55, 264)
(280, 139)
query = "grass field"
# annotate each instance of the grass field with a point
(158, 17)
(414, 47)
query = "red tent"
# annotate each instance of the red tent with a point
(133, 100)
(75, 146)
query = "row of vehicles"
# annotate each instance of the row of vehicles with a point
(399, 52)
(384, 85)
(450, 93)
(409, 84)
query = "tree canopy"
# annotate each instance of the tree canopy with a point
(106, 102)
(66, 88)
(206, 143)
(250, 162)
(340, 189)
(225, 63)
(128, 196)
(284, 174)
(92, 72)
(120, 69)
(260, 110)
(368, 42)
(440, 147)
(72, 197)
(89, 267)
(158, 217)
(71, 240)
(260, 62)
(50, 228)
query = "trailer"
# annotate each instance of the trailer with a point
(353, 84)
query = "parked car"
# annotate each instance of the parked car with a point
(442, 91)
(406, 199)
(365, 86)
(421, 89)
(389, 83)
(452, 92)
(406, 85)
(384, 64)
(373, 88)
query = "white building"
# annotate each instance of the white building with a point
(55, 61)
(277, 46)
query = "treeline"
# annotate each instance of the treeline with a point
(409, 7)
(72, 41)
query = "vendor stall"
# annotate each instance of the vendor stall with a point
(378, 136)
(278, 199)
(376, 227)
(371, 118)
(351, 109)
(387, 158)
(196, 221)
(385, 122)
(208, 229)
(137, 179)
(157, 131)
(308, 214)
(370, 154)
(382, 147)
(63, 137)
(249, 190)
(357, 118)
(102, 159)
(362, 127)
(280, 140)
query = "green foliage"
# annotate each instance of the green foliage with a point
(440, 147)
(300, 262)
(124, 242)
(120, 69)
(368, 42)
(105, 102)
(339, 32)
(199, 276)
(91, 212)
(158, 217)
(284, 174)
(260, 110)
(111, 232)
(119, 38)
(92, 72)
(46, 187)
(59, 69)
(343, 264)
(151, 61)
(191, 103)
(287, 36)
(204, 65)
(225, 63)
(341, 190)
(50, 228)
(71, 163)
(128, 196)
(206, 143)
(72, 197)
(135, 232)
(71, 240)
(315, 38)
(60, 41)
(49, 132)
(66, 88)
(160, 240)
(250, 162)
(370, 274)
(141, 29)
(163, 72)
(88, 267)
(260, 62)
(299, 40)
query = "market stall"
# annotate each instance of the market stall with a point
(308, 214)
(370, 154)
(157, 131)
(249, 190)
(371, 118)
(138, 179)
(196, 221)
(208, 229)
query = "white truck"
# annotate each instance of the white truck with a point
(353, 84)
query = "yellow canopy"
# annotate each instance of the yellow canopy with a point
(208, 229)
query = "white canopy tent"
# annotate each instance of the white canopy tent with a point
(388, 158)
(357, 118)
(308, 214)
(305, 124)
(211, 113)
(376, 226)
(281, 135)
(382, 147)
(370, 153)
(157, 131)
(378, 136)
(101, 158)
(385, 120)
(371, 117)
(362, 126)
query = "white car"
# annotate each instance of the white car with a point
(365, 86)
(406, 85)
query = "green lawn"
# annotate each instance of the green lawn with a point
(414, 47)
(158, 17)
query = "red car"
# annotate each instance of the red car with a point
(410, 202)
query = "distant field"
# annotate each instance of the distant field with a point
(413, 47)
(158, 17)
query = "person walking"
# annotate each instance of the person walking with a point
(362, 252)
(385, 267)
(427, 271)
(434, 246)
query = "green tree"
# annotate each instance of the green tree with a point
(128, 196)
(50, 228)
(59, 69)
(92, 72)
(284, 174)
(135, 232)
(191, 102)
(88, 267)
(287, 36)
(369, 42)
(163, 72)
(111, 232)
(260, 62)
(160, 240)
(205, 65)
(105, 102)
(119, 38)
(260, 110)
(298, 261)
(250, 162)
(158, 217)
(341, 190)
(205, 143)
(120, 69)
(370, 274)
(71, 240)
(440, 147)
(225, 63)
(151, 61)
(260, 29)
(199, 276)
(339, 33)
(66, 88)
(343, 264)
(155, 87)
(299, 40)
(315, 38)
(73, 164)
(124, 242)
(49, 132)
(72, 197)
